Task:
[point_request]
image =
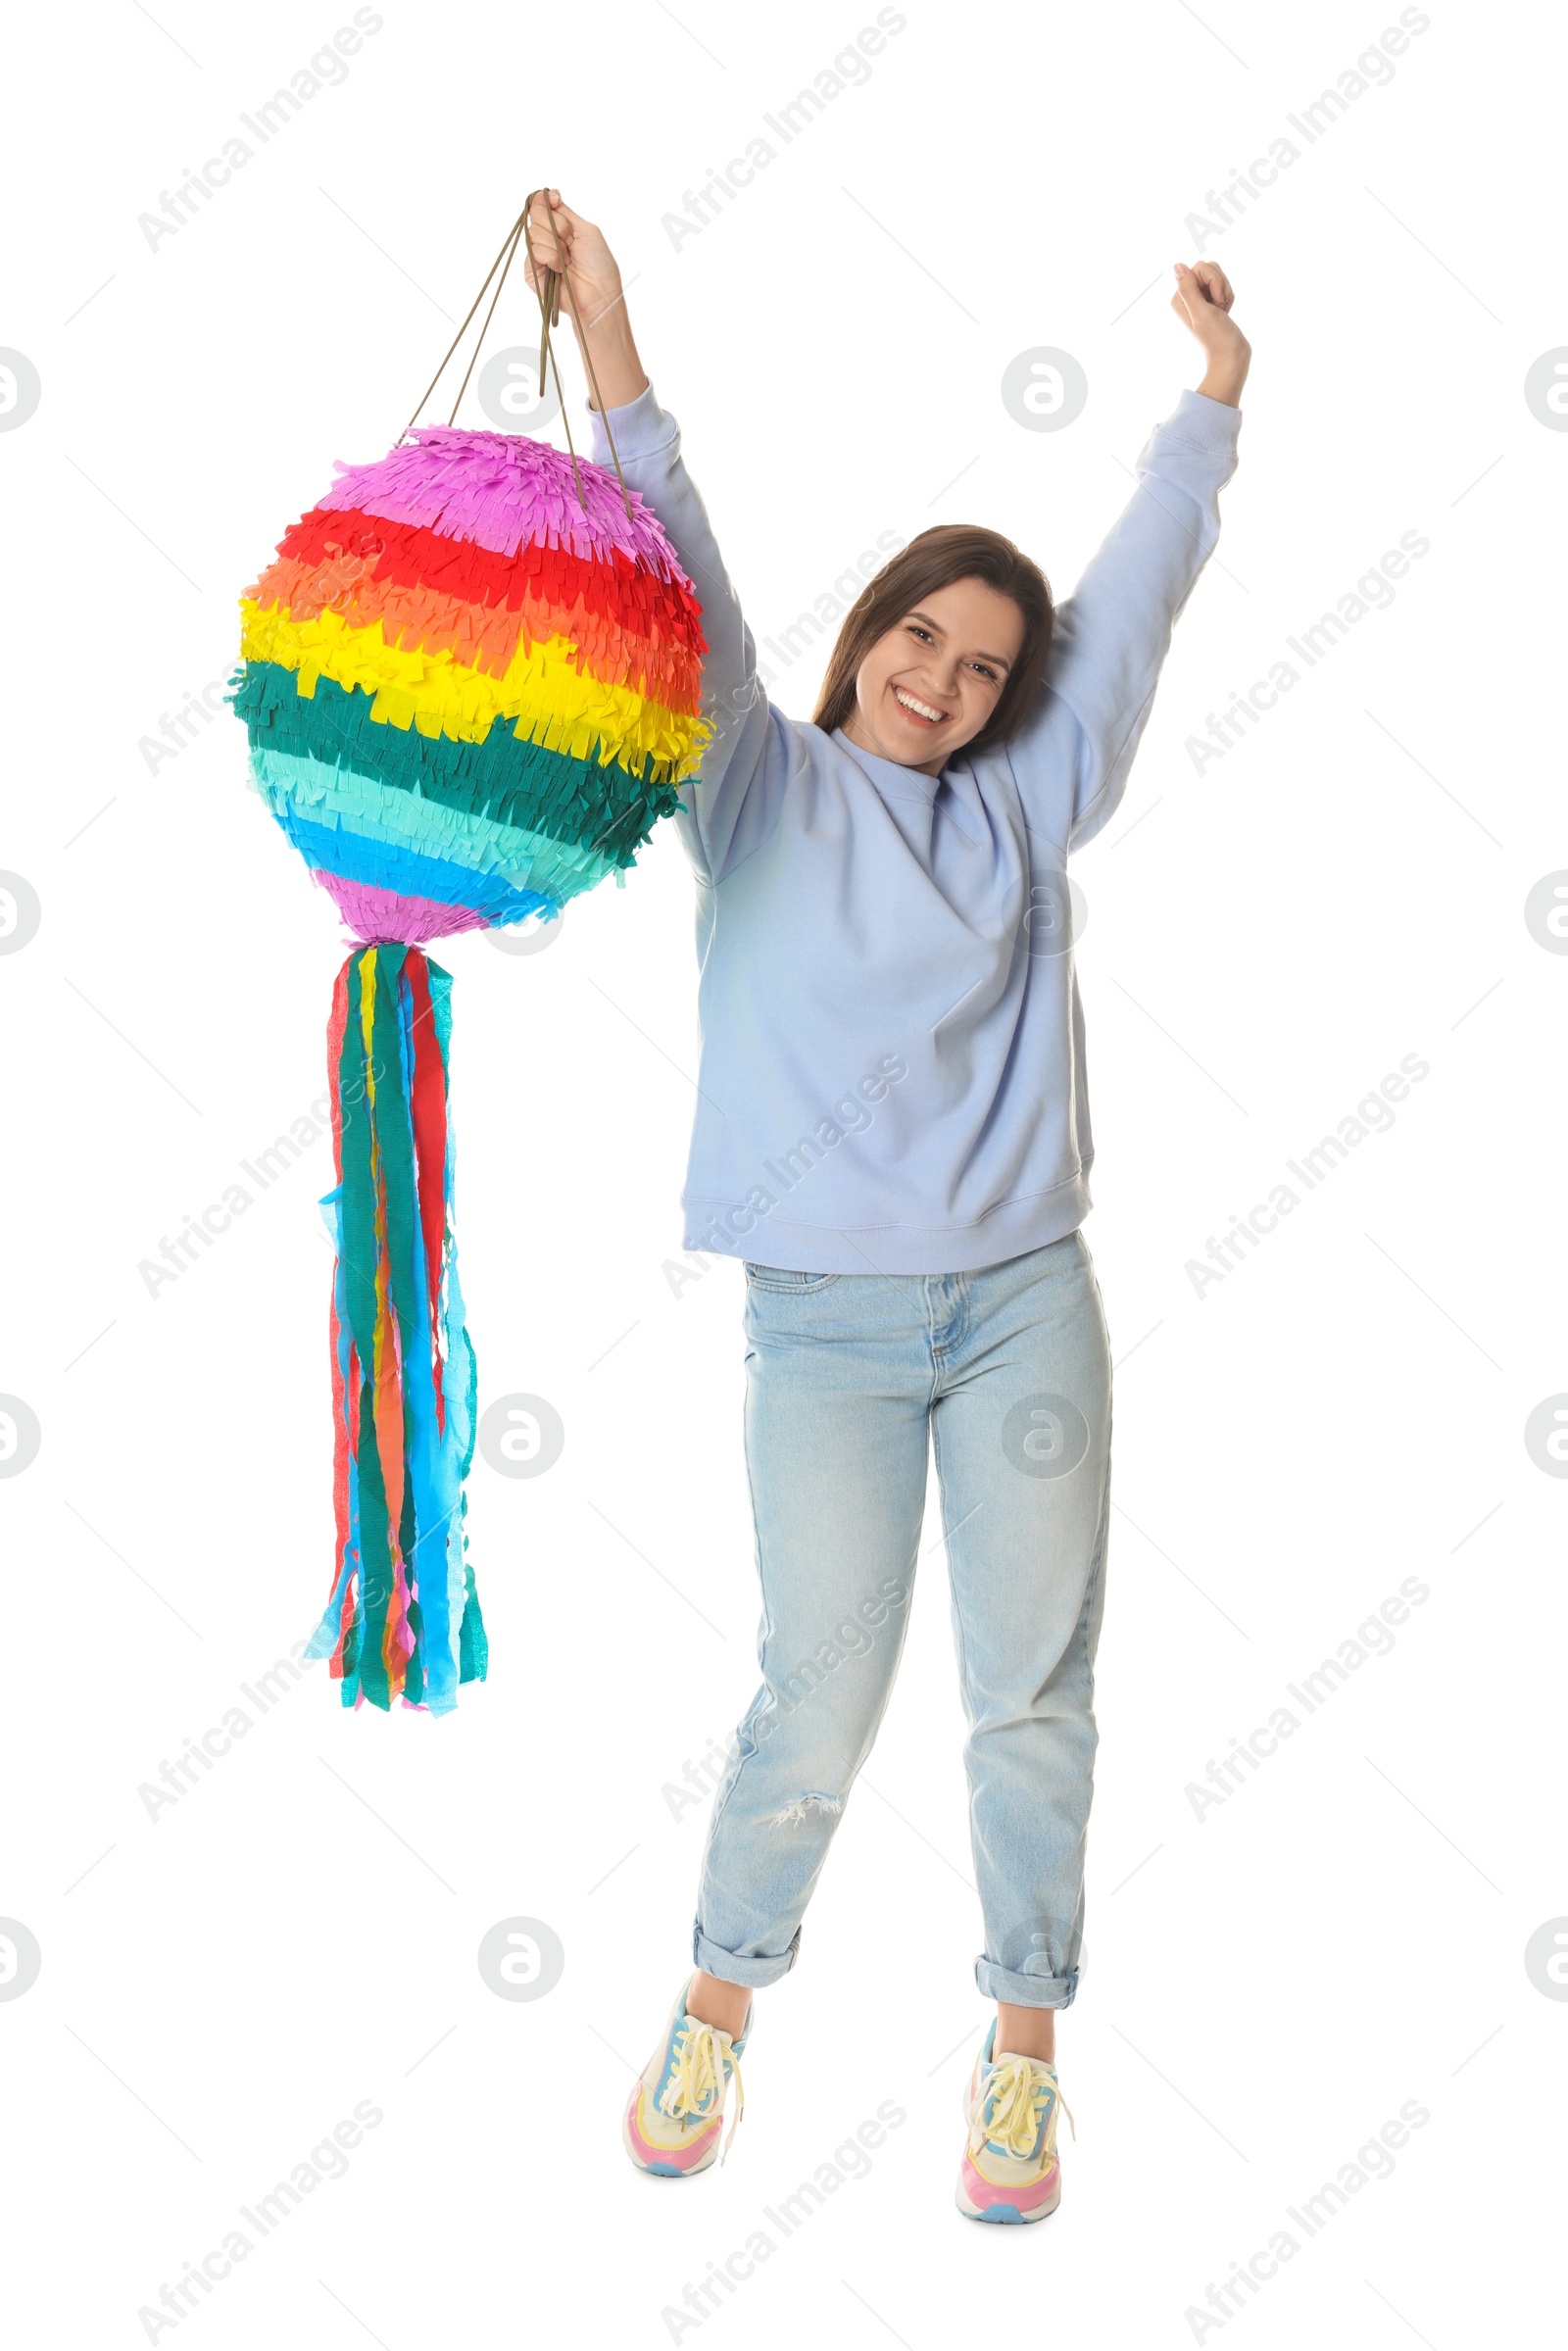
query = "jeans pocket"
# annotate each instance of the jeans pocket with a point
(784, 1277)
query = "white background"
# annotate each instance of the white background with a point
(1264, 1985)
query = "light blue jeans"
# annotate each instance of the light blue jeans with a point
(1010, 1368)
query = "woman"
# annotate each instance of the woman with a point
(892, 1132)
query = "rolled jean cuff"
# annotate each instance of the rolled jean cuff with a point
(1024, 1992)
(732, 1968)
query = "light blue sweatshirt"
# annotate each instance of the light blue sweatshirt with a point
(893, 1073)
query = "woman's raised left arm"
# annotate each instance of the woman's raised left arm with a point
(1072, 754)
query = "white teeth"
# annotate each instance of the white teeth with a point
(923, 707)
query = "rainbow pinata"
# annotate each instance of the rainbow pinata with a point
(469, 697)
(471, 684)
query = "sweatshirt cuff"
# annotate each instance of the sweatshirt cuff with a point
(640, 427)
(1203, 423)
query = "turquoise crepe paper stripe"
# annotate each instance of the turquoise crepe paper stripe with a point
(361, 804)
(460, 1382)
(430, 1451)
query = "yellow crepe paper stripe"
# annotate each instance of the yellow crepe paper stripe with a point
(558, 706)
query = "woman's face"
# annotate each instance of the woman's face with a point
(928, 686)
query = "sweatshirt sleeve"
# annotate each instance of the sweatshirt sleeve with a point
(733, 800)
(1112, 635)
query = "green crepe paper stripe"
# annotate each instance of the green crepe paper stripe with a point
(361, 804)
(375, 1561)
(395, 1145)
(473, 1645)
(589, 803)
(394, 1133)
(358, 1274)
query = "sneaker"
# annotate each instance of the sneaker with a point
(1010, 2170)
(676, 2111)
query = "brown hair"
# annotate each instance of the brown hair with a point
(937, 556)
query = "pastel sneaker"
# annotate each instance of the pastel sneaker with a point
(676, 2111)
(1010, 2171)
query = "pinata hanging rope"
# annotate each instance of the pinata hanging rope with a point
(548, 284)
(471, 681)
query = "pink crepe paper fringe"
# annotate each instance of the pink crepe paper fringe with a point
(381, 917)
(503, 492)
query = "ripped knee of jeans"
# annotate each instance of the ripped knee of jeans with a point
(795, 1812)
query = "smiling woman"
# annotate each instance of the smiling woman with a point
(867, 883)
(949, 643)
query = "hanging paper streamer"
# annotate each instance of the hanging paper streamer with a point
(471, 683)
(404, 1617)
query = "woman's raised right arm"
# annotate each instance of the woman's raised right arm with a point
(732, 802)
